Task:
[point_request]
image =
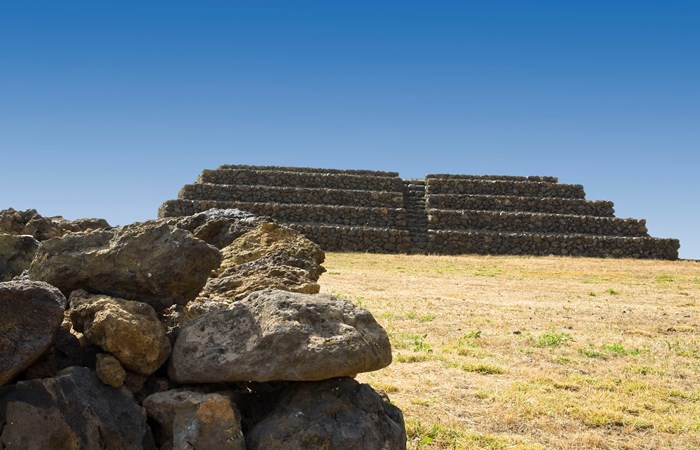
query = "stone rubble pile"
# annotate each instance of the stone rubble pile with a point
(200, 332)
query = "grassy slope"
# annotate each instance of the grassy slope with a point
(520, 352)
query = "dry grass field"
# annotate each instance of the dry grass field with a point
(531, 353)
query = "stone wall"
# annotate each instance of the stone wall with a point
(447, 176)
(552, 205)
(287, 212)
(272, 194)
(441, 219)
(374, 211)
(376, 173)
(301, 179)
(503, 187)
(449, 242)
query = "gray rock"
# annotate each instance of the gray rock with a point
(218, 227)
(16, 254)
(191, 420)
(278, 335)
(339, 414)
(42, 228)
(31, 312)
(127, 329)
(71, 411)
(65, 351)
(154, 263)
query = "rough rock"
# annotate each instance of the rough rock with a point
(218, 227)
(109, 371)
(42, 228)
(339, 414)
(277, 335)
(71, 411)
(65, 351)
(196, 421)
(154, 263)
(16, 254)
(31, 313)
(268, 257)
(127, 329)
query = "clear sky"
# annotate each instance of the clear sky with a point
(108, 107)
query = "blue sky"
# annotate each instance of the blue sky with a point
(107, 108)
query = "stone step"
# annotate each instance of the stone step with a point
(444, 176)
(377, 173)
(550, 205)
(534, 222)
(541, 244)
(293, 212)
(300, 179)
(504, 187)
(274, 194)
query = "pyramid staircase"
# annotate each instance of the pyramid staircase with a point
(374, 211)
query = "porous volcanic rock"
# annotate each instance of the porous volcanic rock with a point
(71, 411)
(42, 228)
(278, 335)
(16, 254)
(196, 421)
(31, 312)
(218, 227)
(154, 263)
(129, 330)
(339, 414)
(109, 371)
(269, 257)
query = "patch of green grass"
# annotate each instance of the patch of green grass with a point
(553, 339)
(411, 315)
(439, 436)
(665, 279)
(612, 291)
(482, 368)
(615, 348)
(410, 341)
(426, 318)
(412, 358)
(487, 272)
(592, 294)
(474, 334)
(592, 353)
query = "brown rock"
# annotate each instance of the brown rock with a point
(32, 223)
(277, 335)
(31, 313)
(109, 371)
(129, 330)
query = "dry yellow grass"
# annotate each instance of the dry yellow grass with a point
(530, 353)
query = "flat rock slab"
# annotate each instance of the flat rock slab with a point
(277, 335)
(149, 262)
(71, 411)
(339, 414)
(31, 313)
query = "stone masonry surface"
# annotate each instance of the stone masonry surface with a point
(374, 211)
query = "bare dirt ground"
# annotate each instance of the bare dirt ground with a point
(531, 352)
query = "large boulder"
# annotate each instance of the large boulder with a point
(154, 263)
(31, 313)
(127, 329)
(189, 420)
(218, 227)
(16, 254)
(71, 411)
(65, 351)
(278, 335)
(42, 228)
(339, 414)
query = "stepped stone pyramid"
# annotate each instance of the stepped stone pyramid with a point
(373, 211)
